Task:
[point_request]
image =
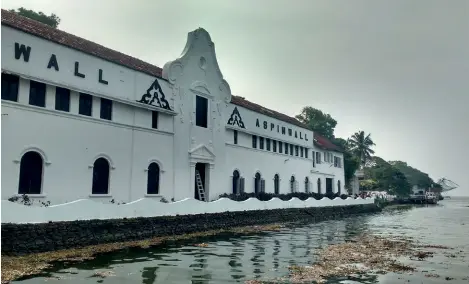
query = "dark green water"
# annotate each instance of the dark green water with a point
(267, 256)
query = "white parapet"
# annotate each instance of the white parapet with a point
(85, 209)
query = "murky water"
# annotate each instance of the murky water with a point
(267, 256)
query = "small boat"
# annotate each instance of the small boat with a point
(431, 198)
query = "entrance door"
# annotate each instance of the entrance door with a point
(329, 186)
(200, 167)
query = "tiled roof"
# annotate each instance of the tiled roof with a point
(325, 143)
(55, 35)
(60, 37)
(265, 111)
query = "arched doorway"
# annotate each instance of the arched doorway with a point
(236, 182)
(306, 184)
(100, 176)
(319, 186)
(257, 183)
(338, 188)
(292, 184)
(31, 166)
(277, 184)
(153, 179)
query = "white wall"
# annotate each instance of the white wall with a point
(271, 129)
(70, 142)
(87, 209)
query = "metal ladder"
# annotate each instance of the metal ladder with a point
(200, 187)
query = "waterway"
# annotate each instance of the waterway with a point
(268, 256)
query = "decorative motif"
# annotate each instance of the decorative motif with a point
(155, 96)
(235, 118)
(202, 63)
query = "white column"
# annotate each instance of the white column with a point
(192, 180)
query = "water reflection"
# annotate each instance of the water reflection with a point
(149, 275)
(233, 260)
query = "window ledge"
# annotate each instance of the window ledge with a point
(32, 195)
(153, 195)
(100, 195)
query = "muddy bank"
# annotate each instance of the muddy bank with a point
(20, 239)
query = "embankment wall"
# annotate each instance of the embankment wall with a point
(29, 238)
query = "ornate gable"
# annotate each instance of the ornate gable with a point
(202, 153)
(198, 60)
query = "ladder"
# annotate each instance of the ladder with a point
(200, 187)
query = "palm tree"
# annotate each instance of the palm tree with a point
(360, 145)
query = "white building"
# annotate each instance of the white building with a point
(83, 121)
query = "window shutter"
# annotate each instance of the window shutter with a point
(241, 185)
(296, 186)
(262, 185)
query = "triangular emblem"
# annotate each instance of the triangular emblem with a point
(155, 96)
(235, 118)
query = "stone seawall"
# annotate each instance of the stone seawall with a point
(20, 239)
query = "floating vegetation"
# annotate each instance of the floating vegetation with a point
(420, 255)
(433, 246)
(363, 255)
(16, 267)
(103, 274)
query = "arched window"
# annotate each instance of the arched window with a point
(100, 176)
(292, 183)
(257, 183)
(236, 182)
(306, 184)
(30, 173)
(153, 179)
(319, 186)
(277, 184)
(338, 187)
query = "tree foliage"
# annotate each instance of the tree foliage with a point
(387, 177)
(414, 176)
(53, 20)
(369, 184)
(360, 145)
(318, 121)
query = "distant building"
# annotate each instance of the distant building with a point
(80, 120)
(355, 182)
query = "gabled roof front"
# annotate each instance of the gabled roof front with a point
(46, 32)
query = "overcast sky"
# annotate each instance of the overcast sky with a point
(396, 69)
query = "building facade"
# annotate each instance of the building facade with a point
(83, 121)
